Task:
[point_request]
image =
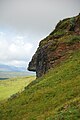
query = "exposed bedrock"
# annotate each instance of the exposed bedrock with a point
(56, 47)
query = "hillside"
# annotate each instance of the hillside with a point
(55, 94)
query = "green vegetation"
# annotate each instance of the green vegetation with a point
(72, 24)
(74, 39)
(70, 39)
(62, 25)
(55, 96)
(11, 86)
(59, 33)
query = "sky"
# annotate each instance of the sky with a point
(23, 23)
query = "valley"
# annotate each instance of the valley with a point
(12, 86)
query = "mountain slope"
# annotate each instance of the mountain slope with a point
(55, 96)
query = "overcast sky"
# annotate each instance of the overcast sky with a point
(23, 23)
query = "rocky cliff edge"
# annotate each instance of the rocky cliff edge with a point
(56, 47)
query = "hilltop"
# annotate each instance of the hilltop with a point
(55, 94)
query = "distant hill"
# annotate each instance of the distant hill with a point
(11, 68)
(7, 71)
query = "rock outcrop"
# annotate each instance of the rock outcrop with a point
(56, 47)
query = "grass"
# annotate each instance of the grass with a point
(55, 96)
(11, 86)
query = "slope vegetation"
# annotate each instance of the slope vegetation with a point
(55, 96)
(12, 86)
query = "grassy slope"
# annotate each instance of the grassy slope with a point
(55, 96)
(12, 86)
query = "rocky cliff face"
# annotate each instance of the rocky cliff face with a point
(56, 47)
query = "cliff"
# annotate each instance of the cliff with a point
(56, 47)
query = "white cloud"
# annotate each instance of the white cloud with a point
(17, 63)
(15, 51)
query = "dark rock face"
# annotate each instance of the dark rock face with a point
(57, 46)
(32, 64)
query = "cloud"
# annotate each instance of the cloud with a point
(36, 16)
(15, 51)
(20, 48)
